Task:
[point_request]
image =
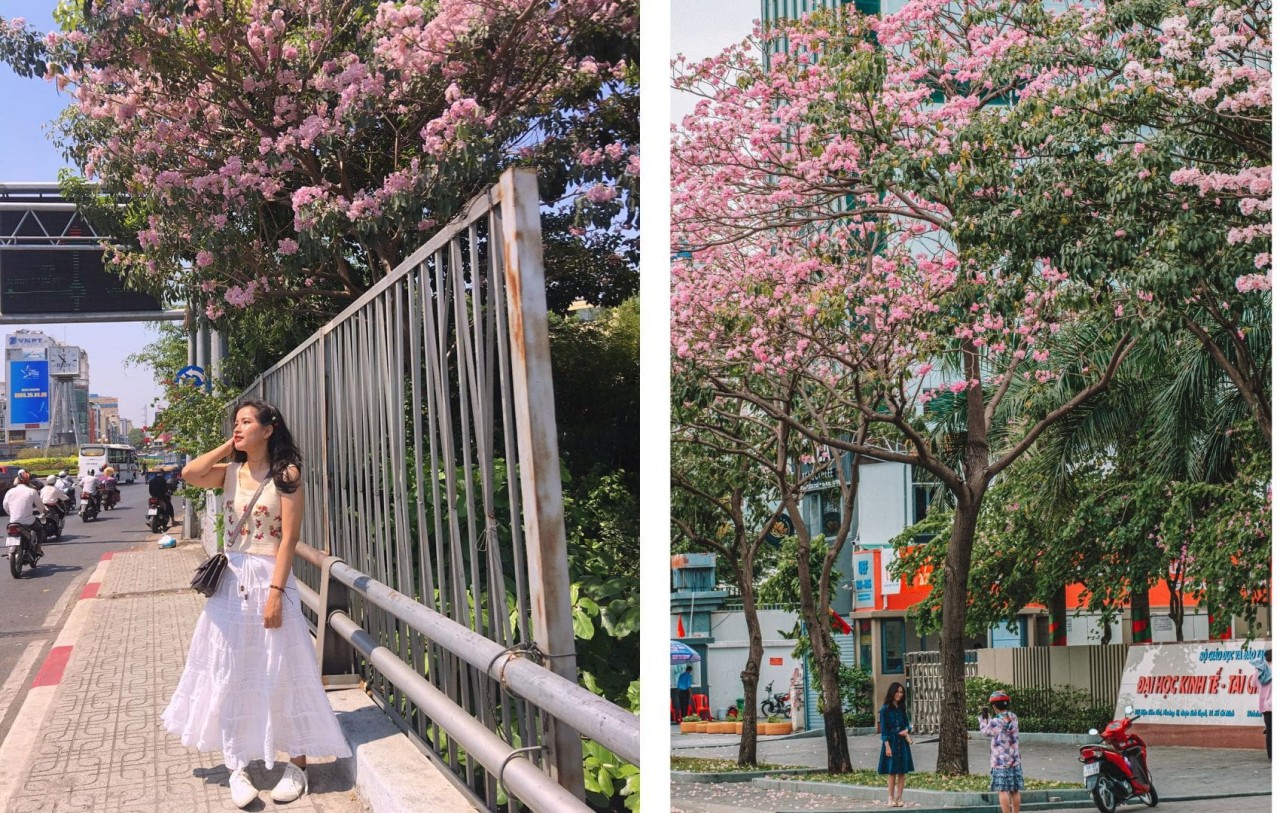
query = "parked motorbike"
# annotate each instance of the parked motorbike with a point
(775, 703)
(158, 515)
(54, 520)
(20, 541)
(1115, 770)
(88, 507)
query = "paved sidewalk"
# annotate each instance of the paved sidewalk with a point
(1180, 773)
(89, 738)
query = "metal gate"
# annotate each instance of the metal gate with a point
(924, 681)
(427, 416)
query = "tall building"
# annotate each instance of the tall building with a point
(106, 424)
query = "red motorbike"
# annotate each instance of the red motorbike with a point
(1115, 770)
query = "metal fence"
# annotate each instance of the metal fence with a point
(432, 477)
(924, 676)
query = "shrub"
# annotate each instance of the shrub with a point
(1055, 710)
(855, 693)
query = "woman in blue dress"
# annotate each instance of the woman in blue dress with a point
(895, 738)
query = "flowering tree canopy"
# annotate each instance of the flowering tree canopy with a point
(297, 150)
(856, 208)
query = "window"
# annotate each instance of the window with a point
(923, 490)
(1002, 638)
(893, 645)
(864, 644)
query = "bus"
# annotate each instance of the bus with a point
(123, 458)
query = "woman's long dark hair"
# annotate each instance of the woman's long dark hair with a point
(893, 690)
(281, 450)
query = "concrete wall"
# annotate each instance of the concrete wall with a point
(728, 655)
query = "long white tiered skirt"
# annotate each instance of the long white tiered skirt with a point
(248, 691)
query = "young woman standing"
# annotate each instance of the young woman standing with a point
(895, 737)
(251, 687)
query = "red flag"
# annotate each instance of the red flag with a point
(680, 626)
(838, 624)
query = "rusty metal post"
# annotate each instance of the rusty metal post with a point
(335, 655)
(539, 456)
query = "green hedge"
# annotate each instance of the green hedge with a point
(1056, 710)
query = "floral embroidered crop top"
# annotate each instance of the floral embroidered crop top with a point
(262, 531)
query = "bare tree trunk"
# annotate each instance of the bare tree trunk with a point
(826, 657)
(953, 738)
(1176, 610)
(750, 672)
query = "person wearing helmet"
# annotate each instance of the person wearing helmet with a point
(1001, 725)
(89, 488)
(110, 492)
(54, 497)
(22, 504)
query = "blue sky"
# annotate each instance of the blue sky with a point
(26, 154)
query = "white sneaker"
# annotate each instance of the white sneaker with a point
(242, 790)
(292, 785)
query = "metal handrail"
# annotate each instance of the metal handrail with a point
(589, 714)
(524, 779)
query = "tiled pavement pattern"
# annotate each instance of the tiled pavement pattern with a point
(102, 747)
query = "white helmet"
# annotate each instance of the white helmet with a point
(52, 479)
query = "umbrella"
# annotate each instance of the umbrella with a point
(682, 653)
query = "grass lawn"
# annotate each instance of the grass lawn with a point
(696, 765)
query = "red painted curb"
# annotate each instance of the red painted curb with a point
(108, 555)
(91, 590)
(50, 673)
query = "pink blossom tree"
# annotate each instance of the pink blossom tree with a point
(289, 153)
(1164, 137)
(830, 202)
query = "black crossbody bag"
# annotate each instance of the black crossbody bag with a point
(209, 573)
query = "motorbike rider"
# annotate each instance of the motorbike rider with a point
(24, 507)
(158, 487)
(53, 496)
(89, 485)
(65, 482)
(110, 490)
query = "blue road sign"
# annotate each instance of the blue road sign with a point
(191, 374)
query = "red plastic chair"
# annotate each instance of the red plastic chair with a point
(674, 717)
(702, 706)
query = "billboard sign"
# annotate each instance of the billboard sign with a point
(1209, 683)
(865, 573)
(28, 393)
(56, 268)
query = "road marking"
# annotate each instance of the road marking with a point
(23, 738)
(50, 673)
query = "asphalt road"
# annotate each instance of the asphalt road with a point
(34, 607)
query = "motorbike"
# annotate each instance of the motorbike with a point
(158, 515)
(775, 703)
(88, 507)
(20, 541)
(1115, 769)
(54, 519)
(110, 498)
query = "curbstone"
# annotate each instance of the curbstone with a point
(389, 773)
(729, 777)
